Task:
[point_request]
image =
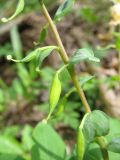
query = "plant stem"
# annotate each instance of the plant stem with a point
(73, 74)
(65, 59)
(102, 144)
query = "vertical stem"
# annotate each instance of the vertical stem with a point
(73, 74)
(102, 144)
(65, 59)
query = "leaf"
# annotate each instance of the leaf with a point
(83, 54)
(19, 9)
(101, 123)
(40, 54)
(88, 129)
(114, 156)
(114, 129)
(49, 144)
(114, 145)
(43, 34)
(55, 92)
(27, 140)
(85, 79)
(9, 145)
(96, 124)
(61, 107)
(117, 43)
(10, 157)
(93, 152)
(28, 58)
(64, 9)
(43, 53)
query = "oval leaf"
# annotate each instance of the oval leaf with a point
(101, 123)
(96, 124)
(49, 145)
(19, 9)
(88, 128)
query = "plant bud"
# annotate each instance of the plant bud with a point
(80, 144)
(55, 92)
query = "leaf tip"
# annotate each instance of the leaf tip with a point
(4, 20)
(9, 57)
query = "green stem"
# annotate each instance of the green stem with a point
(65, 59)
(72, 72)
(102, 144)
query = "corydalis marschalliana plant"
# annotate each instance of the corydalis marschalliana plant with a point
(95, 124)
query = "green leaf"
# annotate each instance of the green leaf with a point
(83, 54)
(64, 9)
(96, 124)
(114, 156)
(55, 92)
(10, 157)
(101, 123)
(85, 79)
(50, 145)
(19, 9)
(43, 53)
(88, 129)
(117, 43)
(9, 145)
(40, 54)
(114, 145)
(61, 107)
(27, 140)
(93, 152)
(43, 34)
(114, 129)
